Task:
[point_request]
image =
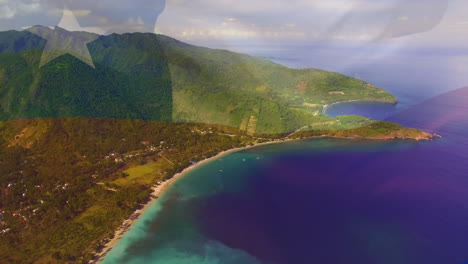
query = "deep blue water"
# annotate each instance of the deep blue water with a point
(321, 201)
(412, 73)
(376, 111)
(327, 201)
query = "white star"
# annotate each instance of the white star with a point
(61, 40)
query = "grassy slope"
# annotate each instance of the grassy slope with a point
(138, 76)
(77, 195)
(223, 87)
(154, 77)
(85, 196)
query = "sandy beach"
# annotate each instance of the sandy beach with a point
(157, 192)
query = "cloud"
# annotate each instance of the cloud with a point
(6, 12)
(259, 20)
(117, 16)
(81, 12)
(312, 20)
(107, 16)
(412, 17)
(200, 27)
(9, 9)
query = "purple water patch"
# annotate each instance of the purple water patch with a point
(404, 205)
(330, 201)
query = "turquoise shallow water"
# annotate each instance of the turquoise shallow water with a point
(171, 216)
(171, 232)
(320, 201)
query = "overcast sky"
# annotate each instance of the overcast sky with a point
(422, 22)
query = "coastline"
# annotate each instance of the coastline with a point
(325, 107)
(158, 191)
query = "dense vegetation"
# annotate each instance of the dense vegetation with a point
(359, 127)
(68, 87)
(154, 77)
(67, 183)
(69, 179)
(62, 181)
(223, 87)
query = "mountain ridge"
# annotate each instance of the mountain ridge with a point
(165, 79)
(95, 140)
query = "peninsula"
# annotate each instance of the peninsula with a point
(83, 147)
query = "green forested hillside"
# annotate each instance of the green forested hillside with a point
(89, 130)
(83, 143)
(67, 183)
(154, 77)
(69, 87)
(233, 89)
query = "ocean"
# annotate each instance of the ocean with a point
(328, 200)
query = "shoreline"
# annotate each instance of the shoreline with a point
(325, 107)
(158, 191)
